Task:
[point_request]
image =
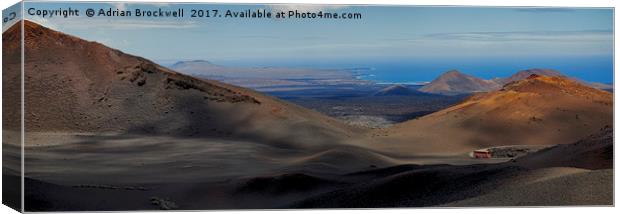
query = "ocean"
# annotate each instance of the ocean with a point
(415, 70)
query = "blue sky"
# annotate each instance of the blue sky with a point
(468, 35)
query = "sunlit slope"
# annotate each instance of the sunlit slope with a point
(538, 110)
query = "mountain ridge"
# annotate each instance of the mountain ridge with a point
(73, 85)
(536, 110)
(454, 82)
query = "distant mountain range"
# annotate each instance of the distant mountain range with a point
(454, 82)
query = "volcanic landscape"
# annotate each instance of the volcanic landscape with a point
(106, 130)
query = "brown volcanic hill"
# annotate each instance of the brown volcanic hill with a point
(552, 73)
(539, 110)
(526, 73)
(77, 86)
(455, 82)
(395, 90)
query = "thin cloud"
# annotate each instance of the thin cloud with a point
(145, 24)
(545, 10)
(589, 35)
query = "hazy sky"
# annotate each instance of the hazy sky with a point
(382, 33)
